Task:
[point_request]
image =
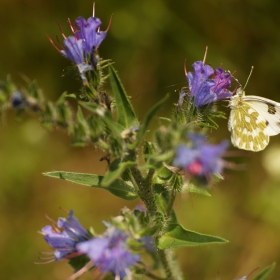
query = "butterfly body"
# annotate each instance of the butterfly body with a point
(253, 119)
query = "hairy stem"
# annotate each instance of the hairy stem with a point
(152, 276)
(169, 265)
(145, 190)
(171, 202)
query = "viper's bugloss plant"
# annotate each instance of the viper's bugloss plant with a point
(136, 244)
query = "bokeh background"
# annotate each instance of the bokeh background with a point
(148, 40)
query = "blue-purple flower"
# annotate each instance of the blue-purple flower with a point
(110, 252)
(89, 33)
(65, 236)
(200, 159)
(149, 244)
(206, 89)
(74, 50)
(81, 47)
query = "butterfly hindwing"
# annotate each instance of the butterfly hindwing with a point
(248, 127)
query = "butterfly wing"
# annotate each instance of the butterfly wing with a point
(269, 110)
(247, 127)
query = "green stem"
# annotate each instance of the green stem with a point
(169, 265)
(145, 190)
(152, 276)
(146, 193)
(171, 202)
(165, 264)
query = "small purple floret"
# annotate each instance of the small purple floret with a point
(74, 50)
(200, 159)
(88, 33)
(204, 89)
(81, 47)
(110, 252)
(65, 239)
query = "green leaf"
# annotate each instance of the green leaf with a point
(194, 189)
(265, 272)
(177, 236)
(115, 170)
(81, 130)
(105, 115)
(126, 115)
(62, 97)
(165, 119)
(118, 188)
(162, 175)
(146, 122)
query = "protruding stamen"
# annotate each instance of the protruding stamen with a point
(109, 23)
(185, 67)
(59, 26)
(93, 9)
(52, 260)
(53, 43)
(73, 29)
(62, 47)
(63, 209)
(81, 271)
(205, 54)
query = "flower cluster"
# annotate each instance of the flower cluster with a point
(204, 89)
(200, 159)
(65, 236)
(81, 47)
(109, 252)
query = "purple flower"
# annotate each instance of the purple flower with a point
(149, 244)
(200, 159)
(81, 47)
(64, 238)
(204, 89)
(110, 252)
(89, 33)
(74, 50)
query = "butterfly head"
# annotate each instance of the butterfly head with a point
(240, 92)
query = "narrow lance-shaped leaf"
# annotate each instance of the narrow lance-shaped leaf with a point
(196, 190)
(126, 115)
(115, 170)
(146, 122)
(265, 272)
(118, 188)
(177, 236)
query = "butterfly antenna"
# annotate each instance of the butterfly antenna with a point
(249, 76)
(231, 74)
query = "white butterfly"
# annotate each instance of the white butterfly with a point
(252, 120)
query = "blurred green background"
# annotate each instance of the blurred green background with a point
(148, 40)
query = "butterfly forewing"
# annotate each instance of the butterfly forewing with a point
(247, 126)
(269, 110)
